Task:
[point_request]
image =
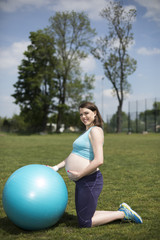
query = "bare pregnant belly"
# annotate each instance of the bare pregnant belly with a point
(76, 163)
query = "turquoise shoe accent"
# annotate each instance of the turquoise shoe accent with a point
(129, 213)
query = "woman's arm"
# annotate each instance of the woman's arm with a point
(97, 139)
(58, 166)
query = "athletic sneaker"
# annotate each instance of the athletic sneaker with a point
(129, 213)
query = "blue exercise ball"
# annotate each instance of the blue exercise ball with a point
(35, 197)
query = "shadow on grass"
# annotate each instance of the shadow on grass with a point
(10, 228)
(67, 220)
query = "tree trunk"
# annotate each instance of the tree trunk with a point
(119, 118)
(62, 99)
(45, 118)
(59, 118)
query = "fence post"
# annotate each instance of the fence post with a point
(129, 119)
(155, 115)
(108, 124)
(136, 116)
(145, 115)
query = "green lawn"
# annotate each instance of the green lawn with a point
(131, 174)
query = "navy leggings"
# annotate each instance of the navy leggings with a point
(87, 192)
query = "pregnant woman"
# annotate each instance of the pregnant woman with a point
(82, 167)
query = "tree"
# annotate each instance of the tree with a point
(112, 51)
(72, 33)
(112, 124)
(36, 85)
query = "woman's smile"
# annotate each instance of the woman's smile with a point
(87, 116)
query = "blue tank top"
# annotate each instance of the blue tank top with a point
(83, 147)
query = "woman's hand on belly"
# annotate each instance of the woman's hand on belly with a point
(74, 175)
(75, 165)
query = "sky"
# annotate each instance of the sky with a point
(20, 17)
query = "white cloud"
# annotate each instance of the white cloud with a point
(153, 9)
(7, 107)
(115, 43)
(108, 93)
(148, 52)
(10, 57)
(88, 64)
(128, 7)
(92, 7)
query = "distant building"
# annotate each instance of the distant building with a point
(53, 127)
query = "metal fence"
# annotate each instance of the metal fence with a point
(142, 116)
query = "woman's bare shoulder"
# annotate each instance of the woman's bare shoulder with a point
(97, 131)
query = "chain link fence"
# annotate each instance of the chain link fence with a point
(142, 116)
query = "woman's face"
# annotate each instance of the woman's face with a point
(87, 116)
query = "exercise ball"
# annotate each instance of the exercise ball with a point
(35, 197)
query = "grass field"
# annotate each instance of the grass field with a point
(131, 174)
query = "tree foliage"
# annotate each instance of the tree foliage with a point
(73, 34)
(36, 85)
(112, 51)
(50, 78)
